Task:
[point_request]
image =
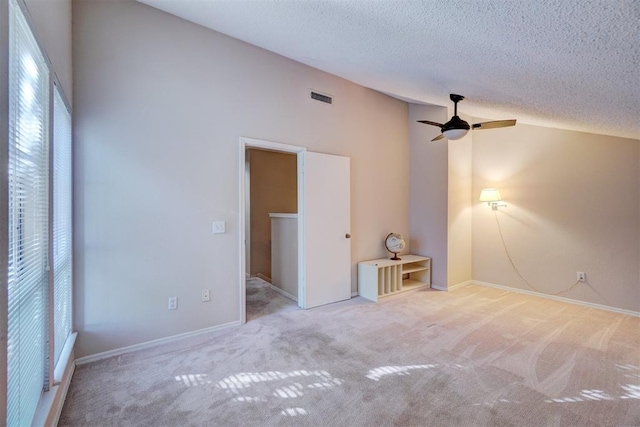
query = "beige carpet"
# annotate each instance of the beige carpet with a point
(472, 357)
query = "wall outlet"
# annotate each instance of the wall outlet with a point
(205, 295)
(218, 227)
(173, 303)
(582, 276)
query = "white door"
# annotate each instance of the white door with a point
(326, 239)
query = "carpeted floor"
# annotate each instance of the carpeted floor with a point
(472, 357)
(262, 301)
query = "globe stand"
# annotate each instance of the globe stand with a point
(396, 246)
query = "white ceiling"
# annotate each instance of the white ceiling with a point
(572, 64)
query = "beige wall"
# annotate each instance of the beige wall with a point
(52, 21)
(428, 200)
(459, 214)
(274, 189)
(572, 206)
(160, 104)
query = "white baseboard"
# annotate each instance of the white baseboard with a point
(558, 298)
(152, 343)
(284, 293)
(452, 287)
(354, 294)
(51, 401)
(64, 385)
(263, 277)
(461, 284)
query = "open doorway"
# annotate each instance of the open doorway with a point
(255, 223)
(271, 217)
(323, 258)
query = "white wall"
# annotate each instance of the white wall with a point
(160, 104)
(572, 206)
(428, 171)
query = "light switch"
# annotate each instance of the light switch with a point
(218, 227)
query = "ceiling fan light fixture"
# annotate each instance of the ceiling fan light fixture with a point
(456, 128)
(453, 134)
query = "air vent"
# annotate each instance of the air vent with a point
(321, 97)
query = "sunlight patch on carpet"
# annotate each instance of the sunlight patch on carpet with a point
(296, 382)
(192, 380)
(286, 392)
(377, 373)
(629, 370)
(293, 412)
(632, 391)
(493, 403)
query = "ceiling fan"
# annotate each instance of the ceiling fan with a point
(457, 128)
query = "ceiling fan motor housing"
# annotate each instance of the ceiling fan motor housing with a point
(455, 123)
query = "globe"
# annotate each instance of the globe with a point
(394, 242)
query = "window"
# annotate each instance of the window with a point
(39, 303)
(28, 221)
(62, 227)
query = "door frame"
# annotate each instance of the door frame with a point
(247, 143)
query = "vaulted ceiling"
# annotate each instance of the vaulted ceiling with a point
(572, 64)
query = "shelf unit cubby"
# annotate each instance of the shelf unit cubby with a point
(382, 277)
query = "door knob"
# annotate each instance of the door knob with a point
(348, 236)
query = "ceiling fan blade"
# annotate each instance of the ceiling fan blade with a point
(494, 124)
(438, 138)
(427, 122)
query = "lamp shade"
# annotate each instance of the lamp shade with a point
(453, 134)
(490, 195)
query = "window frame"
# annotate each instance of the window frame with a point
(45, 412)
(59, 360)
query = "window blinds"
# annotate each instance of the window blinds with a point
(28, 220)
(62, 206)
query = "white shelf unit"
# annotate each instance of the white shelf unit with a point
(382, 277)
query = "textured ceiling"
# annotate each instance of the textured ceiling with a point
(572, 64)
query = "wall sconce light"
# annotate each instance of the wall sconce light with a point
(492, 197)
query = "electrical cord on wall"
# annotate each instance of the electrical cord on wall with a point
(506, 251)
